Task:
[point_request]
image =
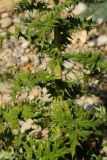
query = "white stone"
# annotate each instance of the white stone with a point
(68, 64)
(90, 17)
(6, 22)
(81, 36)
(91, 43)
(93, 33)
(4, 15)
(12, 29)
(16, 51)
(80, 8)
(24, 59)
(22, 40)
(27, 50)
(35, 60)
(74, 75)
(102, 40)
(99, 21)
(25, 45)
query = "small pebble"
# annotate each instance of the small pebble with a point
(24, 59)
(91, 43)
(4, 15)
(80, 8)
(102, 40)
(6, 22)
(25, 45)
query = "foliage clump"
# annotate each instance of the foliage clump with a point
(57, 129)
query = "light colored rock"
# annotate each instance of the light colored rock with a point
(74, 75)
(13, 39)
(27, 50)
(4, 15)
(35, 59)
(89, 101)
(16, 20)
(22, 40)
(79, 36)
(21, 51)
(91, 43)
(5, 99)
(6, 22)
(43, 65)
(5, 87)
(99, 21)
(15, 132)
(25, 45)
(93, 32)
(68, 64)
(24, 59)
(102, 40)
(80, 8)
(15, 60)
(12, 29)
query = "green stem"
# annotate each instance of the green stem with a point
(57, 39)
(57, 43)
